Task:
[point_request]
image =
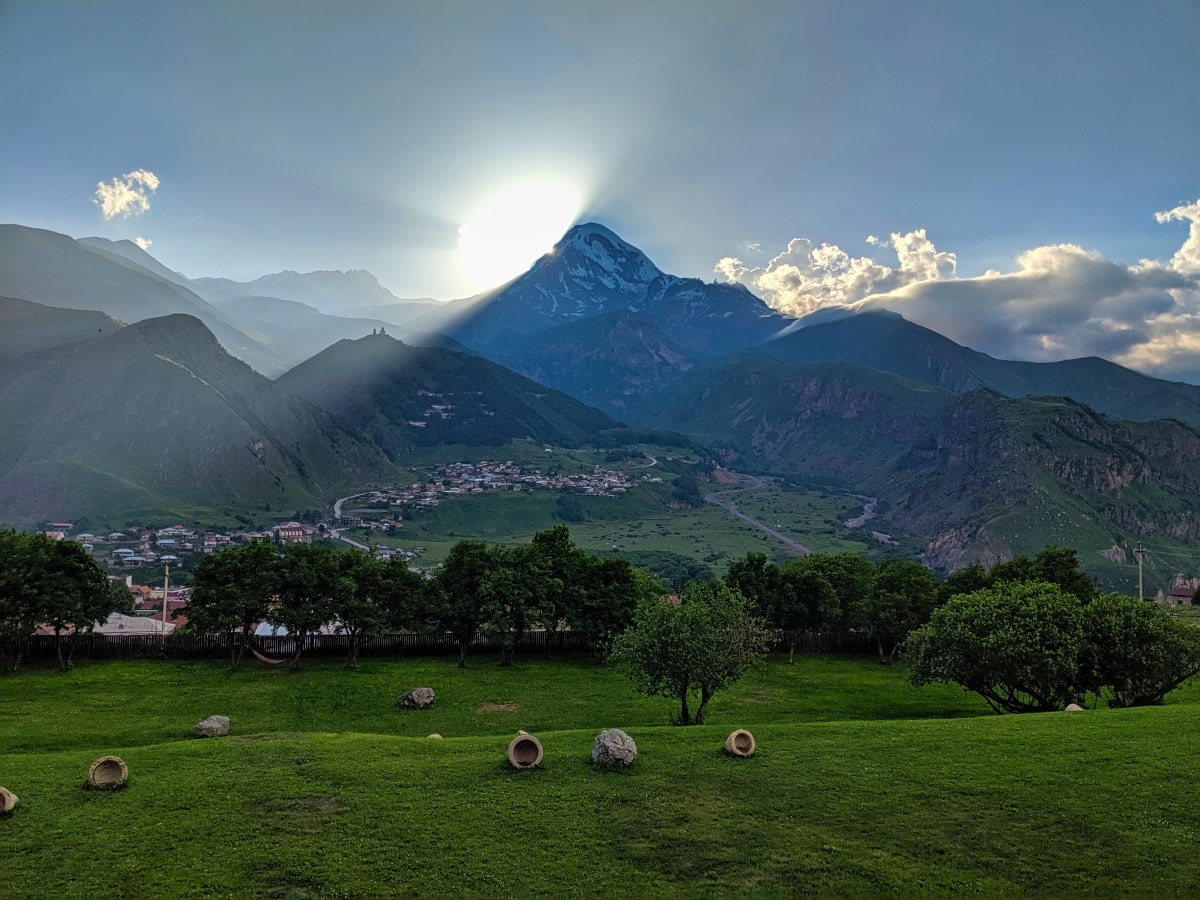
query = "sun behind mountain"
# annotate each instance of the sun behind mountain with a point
(513, 229)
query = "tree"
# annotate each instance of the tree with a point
(1017, 644)
(1055, 565)
(702, 644)
(310, 581)
(1135, 653)
(902, 597)
(849, 574)
(47, 581)
(75, 593)
(20, 599)
(612, 591)
(791, 600)
(232, 590)
(559, 566)
(375, 595)
(510, 588)
(969, 578)
(456, 595)
(806, 601)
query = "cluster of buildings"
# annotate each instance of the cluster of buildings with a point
(476, 478)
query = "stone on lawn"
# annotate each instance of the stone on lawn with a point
(7, 801)
(613, 747)
(1073, 707)
(417, 698)
(213, 726)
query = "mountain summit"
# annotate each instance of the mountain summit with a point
(592, 272)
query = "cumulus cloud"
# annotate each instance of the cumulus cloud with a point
(1059, 302)
(126, 196)
(804, 277)
(1187, 260)
(143, 242)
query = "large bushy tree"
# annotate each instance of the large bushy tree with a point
(698, 646)
(1017, 644)
(1135, 653)
(612, 591)
(310, 583)
(791, 599)
(376, 595)
(849, 574)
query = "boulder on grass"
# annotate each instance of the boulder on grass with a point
(213, 726)
(1073, 707)
(108, 773)
(417, 698)
(524, 751)
(613, 748)
(7, 801)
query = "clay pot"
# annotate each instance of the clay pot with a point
(524, 752)
(108, 773)
(740, 743)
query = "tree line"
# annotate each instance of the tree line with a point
(1029, 633)
(480, 588)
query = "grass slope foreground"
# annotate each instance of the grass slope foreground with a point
(862, 785)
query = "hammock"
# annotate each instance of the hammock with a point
(266, 659)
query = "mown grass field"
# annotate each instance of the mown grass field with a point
(862, 785)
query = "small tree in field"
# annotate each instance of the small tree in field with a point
(698, 647)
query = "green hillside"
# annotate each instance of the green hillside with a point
(404, 397)
(156, 417)
(861, 785)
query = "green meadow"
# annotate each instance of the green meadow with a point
(861, 785)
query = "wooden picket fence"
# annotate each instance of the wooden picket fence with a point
(217, 646)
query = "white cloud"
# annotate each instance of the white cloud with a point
(143, 242)
(126, 196)
(1187, 260)
(1060, 301)
(804, 278)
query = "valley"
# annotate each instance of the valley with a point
(134, 397)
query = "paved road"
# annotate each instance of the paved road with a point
(724, 499)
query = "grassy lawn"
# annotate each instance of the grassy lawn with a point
(862, 785)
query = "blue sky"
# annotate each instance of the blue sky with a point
(765, 142)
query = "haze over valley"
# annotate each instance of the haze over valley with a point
(901, 266)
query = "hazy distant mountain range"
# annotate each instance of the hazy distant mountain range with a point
(115, 390)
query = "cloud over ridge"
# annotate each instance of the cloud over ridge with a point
(1060, 301)
(128, 195)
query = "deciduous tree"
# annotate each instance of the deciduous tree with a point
(1135, 653)
(232, 590)
(702, 644)
(1017, 644)
(902, 597)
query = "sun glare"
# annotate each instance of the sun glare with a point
(513, 229)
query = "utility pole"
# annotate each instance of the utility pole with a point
(1139, 552)
(166, 594)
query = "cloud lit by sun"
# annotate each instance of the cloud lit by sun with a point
(514, 228)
